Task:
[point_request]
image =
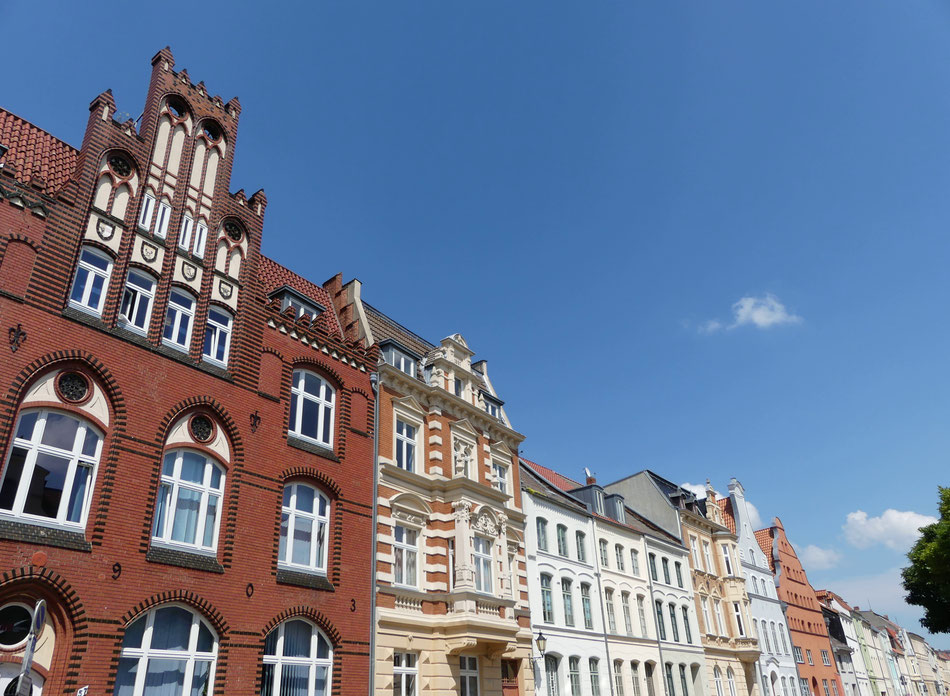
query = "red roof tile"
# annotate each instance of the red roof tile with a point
(557, 480)
(274, 276)
(725, 504)
(36, 153)
(829, 596)
(764, 538)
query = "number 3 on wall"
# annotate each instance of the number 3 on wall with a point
(352, 605)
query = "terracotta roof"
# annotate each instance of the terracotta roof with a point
(555, 479)
(829, 595)
(764, 539)
(725, 504)
(35, 153)
(385, 328)
(274, 276)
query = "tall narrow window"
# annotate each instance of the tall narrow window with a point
(481, 556)
(686, 628)
(51, 468)
(305, 514)
(670, 687)
(405, 674)
(827, 662)
(634, 562)
(188, 510)
(693, 547)
(652, 561)
(298, 659)
(727, 558)
(666, 571)
(707, 559)
(804, 685)
(161, 222)
(201, 237)
(604, 554)
(405, 555)
(618, 552)
(731, 679)
(717, 677)
(593, 665)
(674, 624)
(405, 445)
(586, 607)
(781, 632)
(678, 567)
(720, 621)
(641, 611)
(738, 612)
(550, 673)
(178, 320)
(136, 307)
(187, 230)
(567, 596)
(707, 621)
(92, 281)
(611, 616)
(808, 655)
(824, 685)
(581, 539)
(627, 618)
(765, 637)
(148, 209)
(660, 628)
(168, 650)
(618, 677)
(562, 540)
(798, 655)
(755, 585)
(635, 677)
(501, 476)
(217, 336)
(468, 676)
(311, 408)
(542, 526)
(574, 672)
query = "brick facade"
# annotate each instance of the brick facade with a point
(100, 576)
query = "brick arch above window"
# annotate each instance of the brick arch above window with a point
(213, 407)
(311, 475)
(304, 612)
(193, 600)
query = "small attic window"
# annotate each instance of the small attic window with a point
(598, 501)
(492, 405)
(301, 305)
(399, 357)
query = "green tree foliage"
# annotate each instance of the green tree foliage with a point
(927, 579)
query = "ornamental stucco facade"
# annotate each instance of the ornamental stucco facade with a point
(451, 591)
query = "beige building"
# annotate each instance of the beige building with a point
(452, 612)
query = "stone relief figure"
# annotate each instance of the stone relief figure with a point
(463, 452)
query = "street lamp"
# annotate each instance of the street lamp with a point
(541, 642)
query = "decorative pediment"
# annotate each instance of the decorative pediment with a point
(408, 403)
(464, 427)
(410, 508)
(502, 451)
(490, 523)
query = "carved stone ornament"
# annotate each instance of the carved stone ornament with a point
(149, 251)
(485, 524)
(120, 165)
(73, 387)
(105, 230)
(226, 289)
(408, 518)
(189, 271)
(502, 523)
(462, 457)
(233, 230)
(462, 510)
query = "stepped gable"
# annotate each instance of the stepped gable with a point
(725, 504)
(34, 153)
(273, 276)
(764, 538)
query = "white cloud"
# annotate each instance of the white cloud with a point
(755, 519)
(699, 489)
(816, 558)
(895, 529)
(761, 312)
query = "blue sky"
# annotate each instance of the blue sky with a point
(706, 238)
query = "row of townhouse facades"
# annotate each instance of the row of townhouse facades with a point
(223, 478)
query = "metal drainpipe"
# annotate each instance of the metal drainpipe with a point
(374, 383)
(659, 643)
(603, 616)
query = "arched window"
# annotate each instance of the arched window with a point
(755, 585)
(717, 675)
(136, 308)
(305, 513)
(188, 509)
(51, 468)
(542, 527)
(91, 281)
(562, 540)
(178, 319)
(169, 650)
(311, 408)
(297, 660)
(217, 336)
(731, 677)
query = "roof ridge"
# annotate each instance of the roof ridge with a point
(395, 323)
(41, 130)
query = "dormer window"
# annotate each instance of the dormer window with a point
(492, 405)
(598, 501)
(301, 305)
(399, 358)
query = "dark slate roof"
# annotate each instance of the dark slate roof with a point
(384, 328)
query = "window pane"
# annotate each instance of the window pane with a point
(82, 275)
(219, 316)
(171, 628)
(77, 495)
(308, 424)
(215, 477)
(282, 546)
(304, 499)
(133, 634)
(270, 644)
(293, 680)
(186, 516)
(95, 260)
(164, 494)
(312, 384)
(11, 481)
(125, 677)
(95, 293)
(303, 534)
(181, 299)
(60, 431)
(200, 677)
(192, 467)
(327, 419)
(205, 639)
(321, 681)
(209, 339)
(297, 637)
(27, 423)
(164, 677)
(210, 517)
(46, 486)
(323, 648)
(293, 412)
(90, 443)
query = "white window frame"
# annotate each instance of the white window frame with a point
(618, 552)
(707, 559)
(326, 408)
(686, 626)
(91, 272)
(162, 219)
(541, 527)
(560, 536)
(405, 445)
(319, 529)
(625, 609)
(219, 333)
(717, 609)
(186, 232)
(500, 472)
(635, 562)
(405, 673)
(312, 661)
(617, 670)
(148, 209)
(133, 298)
(611, 611)
(694, 549)
(593, 666)
(175, 314)
(468, 675)
(34, 447)
(704, 602)
(547, 598)
(737, 610)
(551, 668)
(604, 553)
(167, 501)
(201, 239)
(581, 542)
(727, 559)
(567, 598)
(482, 562)
(190, 655)
(574, 674)
(642, 613)
(587, 607)
(400, 360)
(408, 561)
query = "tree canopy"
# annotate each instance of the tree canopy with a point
(927, 579)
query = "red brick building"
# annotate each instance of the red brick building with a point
(176, 416)
(817, 671)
